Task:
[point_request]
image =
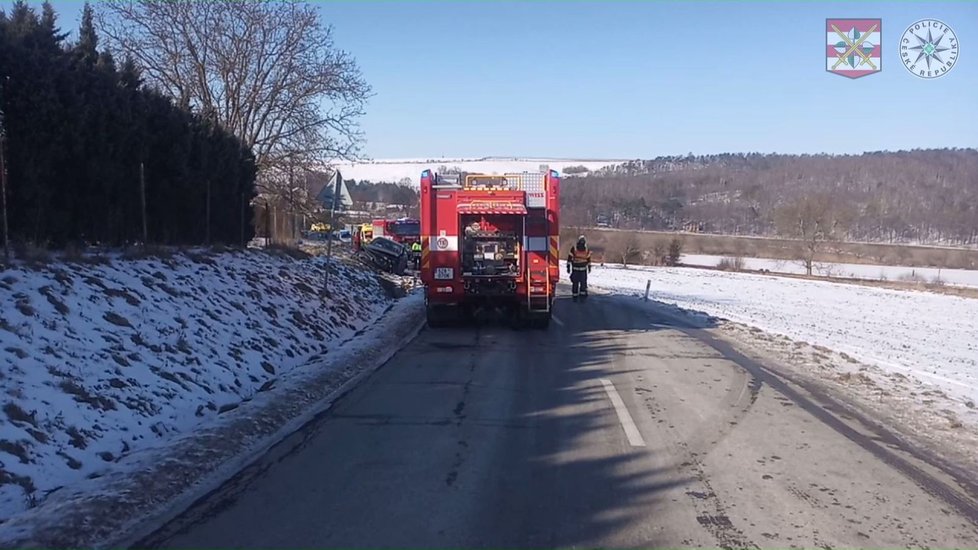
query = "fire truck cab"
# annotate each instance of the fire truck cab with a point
(490, 242)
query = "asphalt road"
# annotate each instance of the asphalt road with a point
(614, 428)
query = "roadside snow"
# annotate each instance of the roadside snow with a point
(933, 337)
(959, 277)
(98, 362)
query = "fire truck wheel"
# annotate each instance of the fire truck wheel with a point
(436, 317)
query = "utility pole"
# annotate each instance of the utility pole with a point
(329, 234)
(3, 177)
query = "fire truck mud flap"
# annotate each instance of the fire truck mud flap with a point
(441, 316)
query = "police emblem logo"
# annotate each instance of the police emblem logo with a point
(929, 48)
(853, 47)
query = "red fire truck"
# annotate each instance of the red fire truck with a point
(403, 230)
(490, 242)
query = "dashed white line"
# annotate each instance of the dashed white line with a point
(556, 320)
(631, 431)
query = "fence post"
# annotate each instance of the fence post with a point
(142, 200)
(3, 178)
(648, 285)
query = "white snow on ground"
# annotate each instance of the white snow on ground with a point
(393, 170)
(931, 336)
(100, 361)
(957, 277)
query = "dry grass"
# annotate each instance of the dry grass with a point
(116, 293)
(201, 257)
(786, 249)
(731, 264)
(117, 320)
(59, 306)
(288, 251)
(145, 252)
(16, 414)
(24, 307)
(31, 253)
(15, 448)
(83, 396)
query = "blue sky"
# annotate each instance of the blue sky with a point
(641, 78)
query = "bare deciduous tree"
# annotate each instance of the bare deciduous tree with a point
(813, 219)
(625, 247)
(659, 250)
(675, 251)
(268, 71)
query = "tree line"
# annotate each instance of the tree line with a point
(922, 196)
(83, 134)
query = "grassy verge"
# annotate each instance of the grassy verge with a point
(965, 292)
(605, 240)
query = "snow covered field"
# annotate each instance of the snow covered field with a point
(932, 337)
(393, 170)
(98, 362)
(958, 277)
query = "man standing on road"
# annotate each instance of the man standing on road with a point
(579, 265)
(416, 254)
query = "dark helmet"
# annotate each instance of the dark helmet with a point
(581, 242)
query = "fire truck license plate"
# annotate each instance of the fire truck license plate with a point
(443, 273)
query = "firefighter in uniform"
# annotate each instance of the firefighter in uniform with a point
(416, 254)
(579, 265)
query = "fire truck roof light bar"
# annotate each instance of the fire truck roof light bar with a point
(512, 182)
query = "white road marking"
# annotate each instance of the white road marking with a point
(556, 320)
(631, 431)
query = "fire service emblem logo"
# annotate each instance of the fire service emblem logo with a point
(929, 48)
(853, 47)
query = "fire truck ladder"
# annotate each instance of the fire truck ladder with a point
(545, 272)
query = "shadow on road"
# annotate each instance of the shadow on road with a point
(571, 479)
(470, 437)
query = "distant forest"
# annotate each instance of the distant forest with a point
(920, 196)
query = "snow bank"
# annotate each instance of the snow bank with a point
(931, 336)
(98, 362)
(393, 170)
(959, 277)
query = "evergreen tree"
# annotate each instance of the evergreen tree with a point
(87, 38)
(49, 21)
(79, 128)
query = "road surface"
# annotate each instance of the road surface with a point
(615, 428)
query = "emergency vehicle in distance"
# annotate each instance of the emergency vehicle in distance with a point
(491, 242)
(405, 231)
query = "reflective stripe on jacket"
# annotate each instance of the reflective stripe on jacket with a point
(579, 259)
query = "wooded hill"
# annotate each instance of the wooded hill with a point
(920, 196)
